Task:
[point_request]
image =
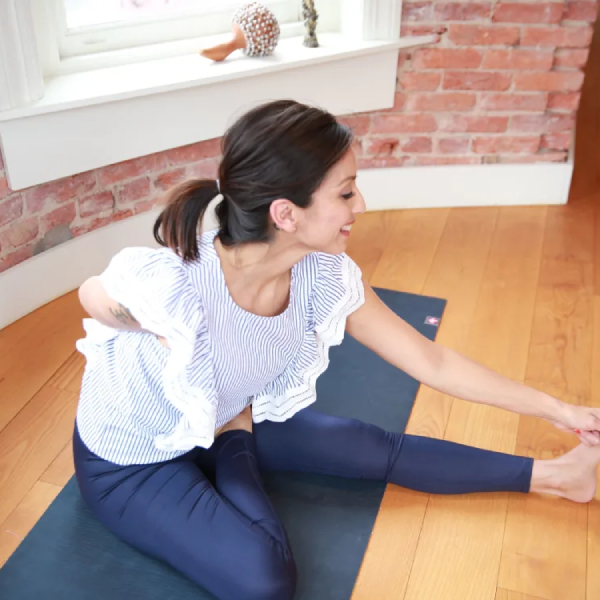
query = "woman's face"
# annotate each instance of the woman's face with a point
(325, 225)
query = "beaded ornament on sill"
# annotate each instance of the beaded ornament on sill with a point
(255, 32)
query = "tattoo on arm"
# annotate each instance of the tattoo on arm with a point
(123, 315)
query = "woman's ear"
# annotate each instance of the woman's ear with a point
(282, 214)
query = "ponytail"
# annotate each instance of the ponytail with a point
(177, 226)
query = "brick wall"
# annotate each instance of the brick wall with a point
(502, 86)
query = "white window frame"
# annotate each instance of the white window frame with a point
(63, 52)
(215, 19)
(85, 119)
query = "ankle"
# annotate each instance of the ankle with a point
(545, 478)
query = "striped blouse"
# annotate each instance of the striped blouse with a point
(142, 402)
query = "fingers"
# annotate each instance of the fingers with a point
(589, 438)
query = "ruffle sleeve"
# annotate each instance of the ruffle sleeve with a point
(154, 286)
(337, 291)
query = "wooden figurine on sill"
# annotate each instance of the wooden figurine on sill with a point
(255, 32)
(310, 22)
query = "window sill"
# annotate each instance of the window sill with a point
(91, 119)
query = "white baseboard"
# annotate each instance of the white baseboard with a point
(65, 267)
(59, 270)
(466, 185)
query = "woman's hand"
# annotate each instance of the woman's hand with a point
(582, 421)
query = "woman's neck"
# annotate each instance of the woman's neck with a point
(258, 275)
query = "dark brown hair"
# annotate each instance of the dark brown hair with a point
(282, 149)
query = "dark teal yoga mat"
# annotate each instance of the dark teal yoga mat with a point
(69, 556)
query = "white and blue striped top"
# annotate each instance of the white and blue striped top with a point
(142, 402)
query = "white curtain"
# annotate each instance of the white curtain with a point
(21, 80)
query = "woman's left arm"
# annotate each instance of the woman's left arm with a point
(443, 369)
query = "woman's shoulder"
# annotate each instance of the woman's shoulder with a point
(337, 287)
(325, 266)
(147, 259)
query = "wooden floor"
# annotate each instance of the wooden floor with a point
(523, 291)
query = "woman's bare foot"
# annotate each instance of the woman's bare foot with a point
(573, 476)
(242, 421)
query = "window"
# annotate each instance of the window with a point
(86, 13)
(85, 27)
(119, 107)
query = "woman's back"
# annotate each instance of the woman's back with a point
(142, 402)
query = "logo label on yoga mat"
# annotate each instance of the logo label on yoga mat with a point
(432, 321)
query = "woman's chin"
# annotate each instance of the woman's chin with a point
(336, 245)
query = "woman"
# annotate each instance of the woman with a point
(203, 355)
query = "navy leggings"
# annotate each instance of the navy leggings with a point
(207, 515)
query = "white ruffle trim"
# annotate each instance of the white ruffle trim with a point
(196, 427)
(329, 333)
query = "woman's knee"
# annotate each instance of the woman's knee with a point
(274, 579)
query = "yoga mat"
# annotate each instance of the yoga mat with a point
(68, 555)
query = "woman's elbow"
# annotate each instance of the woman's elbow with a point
(86, 293)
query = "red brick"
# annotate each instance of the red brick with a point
(16, 257)
(132, 168)
(473, 123)
(357, 146)
(19, 233)
(166, 180)
(411, 29)
(143, 206)
(568, 81)
(378, 163)
(581, 11)
(541, 157)
(40, 198)
(134, 190)
(194, 152)
(480, 35)
(403, 123)
(446, 58)
(96, 203)
(380, 147)
(10, 209)
(441, 101)
(557, 141)
(562, 37)
(101, 222)
(506, 144)
(568, 102)
(476, 80)
(358, 123)
(461, 11)
(423, 82)
(576, 58)
(417, 11)
(453, 145)
(521, 12)
(447, 160)
(518, 59)
(416, 144)
(399, 104)
(542, 123)
(206, 169)
(60, 216)
(4, 189)
(514, 102)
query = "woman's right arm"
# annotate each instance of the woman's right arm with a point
(100, 306)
